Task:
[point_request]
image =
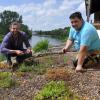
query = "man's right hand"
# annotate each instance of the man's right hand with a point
(64, 50)
(19, 52)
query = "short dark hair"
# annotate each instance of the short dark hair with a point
(15, 23)
(76, 14)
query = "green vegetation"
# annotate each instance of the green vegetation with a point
(61, 34)
(55, 91)
(24, 68)
(2, 57)
(41, 46)
(37, 69)
(1, 37)
(6, 80)
(6, 18)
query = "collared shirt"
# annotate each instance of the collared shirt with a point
(12, 42)
(86, 36)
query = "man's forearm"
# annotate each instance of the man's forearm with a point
(12, 51)
(7, 51)
(81, 57)
(68, 44)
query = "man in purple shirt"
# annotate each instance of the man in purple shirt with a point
(12, 44)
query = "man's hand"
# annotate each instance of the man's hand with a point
(64, 50)
(29, 50)
(68, 45)
(19, 52)
(79, 68)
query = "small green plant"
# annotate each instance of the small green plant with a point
(41, 46)
(39, 69)
(52, 89)
(2, 57)
(24, 68)
(6, 80)
(56, 91)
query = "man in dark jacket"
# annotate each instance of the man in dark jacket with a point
(12, 44)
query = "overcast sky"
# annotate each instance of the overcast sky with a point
(44, 14)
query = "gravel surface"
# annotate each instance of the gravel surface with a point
(25, 91)
(85, 84)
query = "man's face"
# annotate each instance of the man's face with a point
(76, 23)
(14, 29)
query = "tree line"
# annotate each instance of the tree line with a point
(60, 33)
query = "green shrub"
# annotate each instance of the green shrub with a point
(52, 89)
(2, 57)
(6, 80)
(56, 91)
(41, 45)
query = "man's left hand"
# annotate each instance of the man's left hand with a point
(29, 50)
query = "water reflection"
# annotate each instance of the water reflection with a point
(37, 38)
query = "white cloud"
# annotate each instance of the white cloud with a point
(47, 15)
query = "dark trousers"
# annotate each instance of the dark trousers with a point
(19, 58)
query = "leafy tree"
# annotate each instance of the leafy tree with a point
(25, 29)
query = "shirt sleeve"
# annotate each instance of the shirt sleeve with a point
(4, 45)
(87, 38)
(26, 41)
(71, 34)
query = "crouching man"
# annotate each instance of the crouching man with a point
(85, 38)
(12, 44)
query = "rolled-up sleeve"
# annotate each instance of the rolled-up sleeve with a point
(26, 41)
(4, 45)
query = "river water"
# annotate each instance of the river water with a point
(36, 38)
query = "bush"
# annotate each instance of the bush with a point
(41, 46)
